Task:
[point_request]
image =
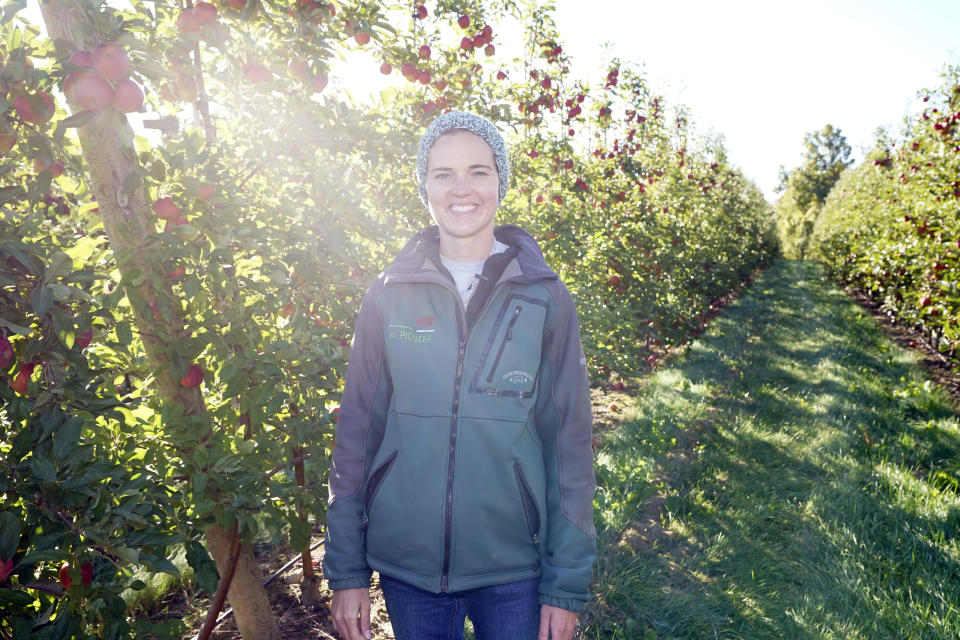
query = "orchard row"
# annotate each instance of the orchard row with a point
(176, 310)
(890, 227)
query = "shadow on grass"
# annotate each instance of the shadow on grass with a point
(820, 505)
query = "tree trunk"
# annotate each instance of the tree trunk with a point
(247, 597)
(127, 219)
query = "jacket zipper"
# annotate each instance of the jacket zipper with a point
(530, 511)
(448, 510)
(507, 337)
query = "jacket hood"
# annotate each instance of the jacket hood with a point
(426, 244)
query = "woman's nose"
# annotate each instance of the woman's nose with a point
(460, 185)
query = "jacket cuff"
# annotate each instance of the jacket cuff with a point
(570, 604)
(359, 582)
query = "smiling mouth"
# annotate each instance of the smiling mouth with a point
(462, 208)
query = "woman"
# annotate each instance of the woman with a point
(463, 470)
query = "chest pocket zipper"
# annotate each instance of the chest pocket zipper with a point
(507, 337)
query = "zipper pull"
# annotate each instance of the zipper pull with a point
(513, 320)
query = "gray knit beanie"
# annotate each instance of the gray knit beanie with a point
(474, 124)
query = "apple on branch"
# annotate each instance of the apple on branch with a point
(88, 90)
(55, 168)
(206, 191)
(166, 209)
(36, 109)
(127, 97)
(83, 340)
(110, 61)
(81, 58)
(194, 376)
(64, 576)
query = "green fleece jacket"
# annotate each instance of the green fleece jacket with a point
(462, 451)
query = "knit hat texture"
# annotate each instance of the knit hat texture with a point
(474, 124)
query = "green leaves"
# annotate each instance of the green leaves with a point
(9, 534)
(203, 566)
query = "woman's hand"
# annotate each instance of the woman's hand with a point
(556, 623)
(351, 614)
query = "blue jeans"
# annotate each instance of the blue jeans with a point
(501, 612)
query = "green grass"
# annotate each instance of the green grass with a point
(820, 499)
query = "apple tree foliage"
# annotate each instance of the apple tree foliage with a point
(891, 226)
(826, 157)
(281, 199)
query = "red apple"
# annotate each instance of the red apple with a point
(64, 575)
(127, 97)
(81, 58)
(298, 68)
(256, 73)
(6, 568)
(26, 110)
(237, 5)
(386, 68)
(55, 168)
(421, 12)
(489, 50)
(88, 90)
(464, 21)
(177, 273)
(189, 22)
(424, 77)
(6, 352)
(501, 75)
(206, 12)
(362, 37)
(194, 376)
(408, 69)
(466, 43)
(320, 82)
(110, 61)
(166, 209)
(206, 191)
(424, 52)
(86, 574)
(19, 383)
(83, 340)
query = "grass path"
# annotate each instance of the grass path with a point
(794, 475)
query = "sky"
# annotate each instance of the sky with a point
(765, 72)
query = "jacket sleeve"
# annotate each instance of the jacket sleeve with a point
(360, 425)
(565, 426)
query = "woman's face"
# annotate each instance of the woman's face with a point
(463, 189)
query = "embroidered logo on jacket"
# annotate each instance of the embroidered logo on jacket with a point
(517, 377)
(409, 334)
